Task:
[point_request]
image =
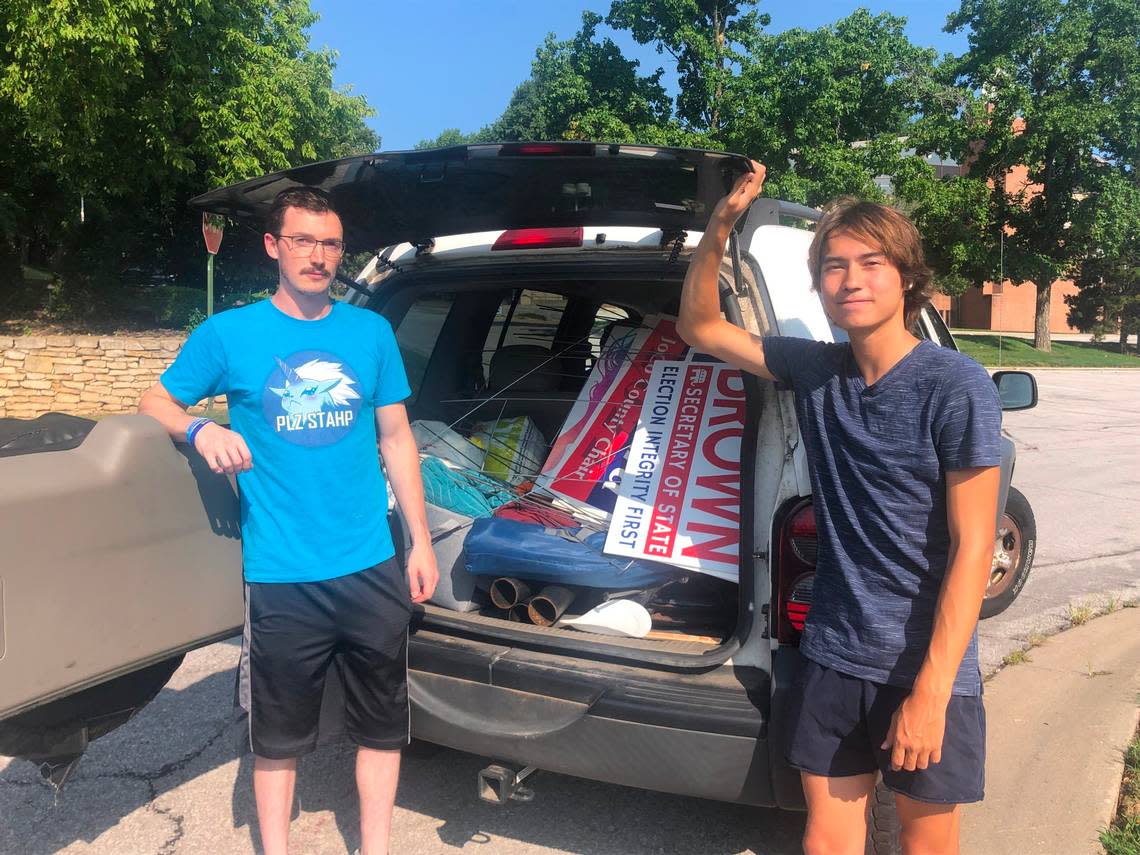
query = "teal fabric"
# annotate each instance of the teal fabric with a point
(463, 491)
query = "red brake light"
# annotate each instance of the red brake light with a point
(559, 238)
(799, 601)
(802, 534)
(546, 149)
(794, 571)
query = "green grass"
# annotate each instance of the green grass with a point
(1123, 838)
(1080, 614)
(1016, 657)
(34, 274)
(1019, 352)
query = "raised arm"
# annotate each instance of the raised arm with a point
(699, 322)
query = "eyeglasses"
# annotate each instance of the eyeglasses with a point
(304, 245)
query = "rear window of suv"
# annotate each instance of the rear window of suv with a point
(524, 317)
(418, 333)
(450, 361)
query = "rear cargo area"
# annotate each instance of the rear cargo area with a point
(581, 464)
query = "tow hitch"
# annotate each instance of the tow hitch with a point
(499, 784)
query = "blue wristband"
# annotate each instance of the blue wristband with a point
(194, 427)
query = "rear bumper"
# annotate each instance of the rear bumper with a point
(704, 735)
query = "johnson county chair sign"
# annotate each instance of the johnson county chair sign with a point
(679, 497)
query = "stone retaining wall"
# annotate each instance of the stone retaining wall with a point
(85, 375)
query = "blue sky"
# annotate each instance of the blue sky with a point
(427, 66)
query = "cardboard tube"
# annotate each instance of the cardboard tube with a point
(548, 606)
(519, 612)
(507, 593)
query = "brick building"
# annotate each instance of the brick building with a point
(1006, 307)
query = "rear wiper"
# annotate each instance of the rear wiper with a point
(352, 283)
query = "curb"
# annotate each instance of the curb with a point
(1059, 724)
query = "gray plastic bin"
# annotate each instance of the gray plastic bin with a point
(456, 589)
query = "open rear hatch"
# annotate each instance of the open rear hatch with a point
(415, 196)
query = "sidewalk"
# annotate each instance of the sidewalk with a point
(1057, 728)
(1028, 334)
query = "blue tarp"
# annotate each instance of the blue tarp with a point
(505, 547)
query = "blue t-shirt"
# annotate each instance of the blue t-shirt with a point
(302, 394)
(878, 457)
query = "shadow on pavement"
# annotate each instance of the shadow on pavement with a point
(577, 815)
(179, 776)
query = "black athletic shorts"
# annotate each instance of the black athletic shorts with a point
(295, 632)
(837, 724)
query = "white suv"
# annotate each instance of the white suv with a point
(493, 261)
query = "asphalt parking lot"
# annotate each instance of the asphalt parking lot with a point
(177, 779)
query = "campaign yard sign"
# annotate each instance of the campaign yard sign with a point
(590, 453)
(679, 497)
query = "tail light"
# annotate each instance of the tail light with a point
(559, 238)
(539, 149)
(799, 601)
(797, 548)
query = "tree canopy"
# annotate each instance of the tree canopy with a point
(123, 109)
(1049, 89)
(130, 107)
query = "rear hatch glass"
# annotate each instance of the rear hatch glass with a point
(390, 198)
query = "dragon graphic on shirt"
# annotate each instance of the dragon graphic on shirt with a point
(317, 394)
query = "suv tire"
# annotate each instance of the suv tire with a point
(882, 822)
(1014, 547)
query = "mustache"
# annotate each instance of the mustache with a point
(322, 269)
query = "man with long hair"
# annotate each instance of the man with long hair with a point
(902, 438)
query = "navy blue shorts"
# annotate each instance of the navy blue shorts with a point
(837, 723)
(352, 630)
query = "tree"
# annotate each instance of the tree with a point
(824, 109)
(1032, 129)
(828, 110)
(1116, 70)
(584, 88)
(1109, 276)
(705, 39)
(446, 137)
(950, 214)
(134, 106)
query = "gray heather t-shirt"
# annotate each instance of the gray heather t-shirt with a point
(878, 457)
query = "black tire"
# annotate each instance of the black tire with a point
(882, 822)
(1014, 548)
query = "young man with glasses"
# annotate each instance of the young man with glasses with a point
(311, 384)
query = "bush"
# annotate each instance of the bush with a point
(20, 295)
(196, 319)
(227, 301)
(75, 298)
(233, 299)
(179, 307)
(165, 305)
